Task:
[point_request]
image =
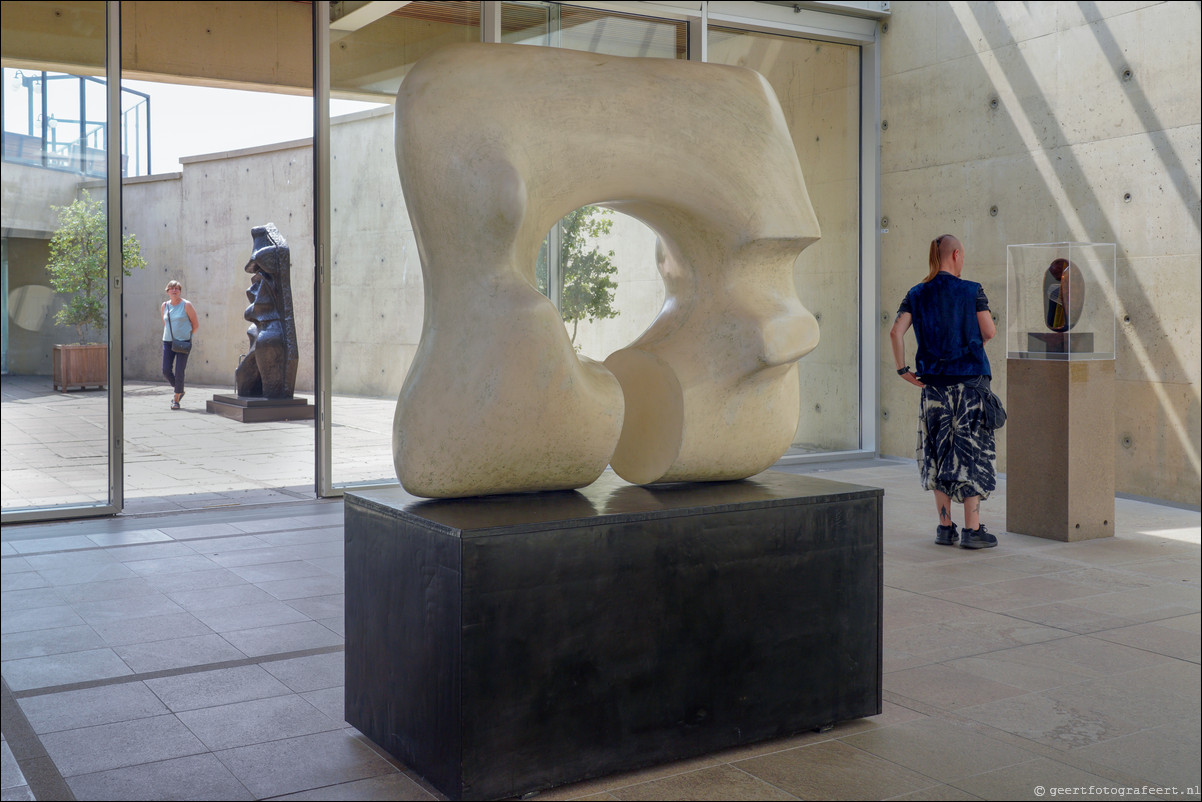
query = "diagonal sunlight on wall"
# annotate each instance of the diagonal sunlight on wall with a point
(1077, 230)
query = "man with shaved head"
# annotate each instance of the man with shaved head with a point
(955, 449)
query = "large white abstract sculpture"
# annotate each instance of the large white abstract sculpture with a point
(494, 144)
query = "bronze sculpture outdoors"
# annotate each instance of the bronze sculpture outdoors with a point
(268, 369)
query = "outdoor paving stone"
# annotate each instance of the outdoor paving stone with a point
(298, 764)
(336, 625)
(311, 672)
(42, 642)
(129, 743)
(256, 721)
(63, 669)
(197, 777)
(107, 704)
(282, 638)
(229, 619)
(178, 653)
(223, 686)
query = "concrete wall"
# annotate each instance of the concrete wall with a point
(1076, 149)
(194, 226)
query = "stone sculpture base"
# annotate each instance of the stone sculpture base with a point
(260, 410)
(1060, 448)
(504, 644)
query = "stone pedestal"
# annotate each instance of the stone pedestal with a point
(260, 410)
(500, 645)
(1060, 448)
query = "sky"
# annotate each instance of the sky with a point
(193, 120)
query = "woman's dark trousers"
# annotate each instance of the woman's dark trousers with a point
(174, 377)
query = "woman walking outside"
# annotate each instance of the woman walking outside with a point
(179, 323)
(955, 450)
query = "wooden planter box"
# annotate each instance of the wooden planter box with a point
(81, 366)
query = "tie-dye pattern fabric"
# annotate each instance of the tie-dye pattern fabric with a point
(955, 450)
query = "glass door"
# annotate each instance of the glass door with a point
(818, 85)
(370, 290)
(62, 261)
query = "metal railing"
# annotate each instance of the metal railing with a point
(59, 122)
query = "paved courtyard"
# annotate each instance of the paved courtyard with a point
(54, 448)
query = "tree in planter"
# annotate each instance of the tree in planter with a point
(78, 264)
(587, 288)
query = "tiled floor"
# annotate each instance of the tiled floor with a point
(198, 655)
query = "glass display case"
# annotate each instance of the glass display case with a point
(1060, 301)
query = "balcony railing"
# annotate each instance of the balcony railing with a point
(59, 122)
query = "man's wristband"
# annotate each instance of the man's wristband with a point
(903, 371)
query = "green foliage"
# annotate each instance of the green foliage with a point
(78, 264)
(587, 289)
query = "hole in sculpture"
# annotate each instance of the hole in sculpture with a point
(609, 288)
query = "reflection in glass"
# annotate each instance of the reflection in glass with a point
(818, 85)
(55, 444)
(376, 290)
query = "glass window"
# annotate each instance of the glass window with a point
(56, 397)
(818, 85)
(376, 288)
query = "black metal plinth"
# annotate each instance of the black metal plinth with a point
(500, 645)
(260, 410)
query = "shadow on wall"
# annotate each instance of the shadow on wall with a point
(1148, 334)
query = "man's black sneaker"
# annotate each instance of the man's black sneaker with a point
(946, 535)
(977, 539)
